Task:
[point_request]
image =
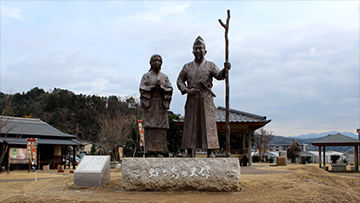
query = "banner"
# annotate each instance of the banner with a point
(142, 138)
(31, 146)
(120, 153)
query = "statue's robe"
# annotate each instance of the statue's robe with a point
(200, 129)
(155, 101)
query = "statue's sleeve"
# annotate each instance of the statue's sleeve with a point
(166, 85)
(168, 91)
(216, 72)
(181, 80)
(145, 93)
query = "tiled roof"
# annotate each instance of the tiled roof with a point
(238, 116)
(336, 139)
(30, 126)
(22, 141)
(235, 116)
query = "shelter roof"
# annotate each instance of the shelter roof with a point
(336, 140)
(30, 126)
(40, 141)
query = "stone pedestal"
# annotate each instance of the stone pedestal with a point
(158, 174)
(93, 171)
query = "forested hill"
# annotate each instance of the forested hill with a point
(65, 110)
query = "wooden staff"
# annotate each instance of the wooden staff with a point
(227, 125)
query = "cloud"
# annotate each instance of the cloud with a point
(96, 85)
(295, 62)
(161, 10)
(11, 12)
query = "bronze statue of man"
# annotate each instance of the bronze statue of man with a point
(195, 80)
(155, 96)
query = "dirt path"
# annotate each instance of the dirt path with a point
(292, 183)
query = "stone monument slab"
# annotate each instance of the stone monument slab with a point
(93, 171)
(159, 174)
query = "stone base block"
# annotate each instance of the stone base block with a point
(93, 171)
(281, 161)
(158, 174)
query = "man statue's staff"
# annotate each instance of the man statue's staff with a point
(227, 124)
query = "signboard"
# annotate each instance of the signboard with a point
(142, 138)
(18, 153)
(31, 147)
(18, 156)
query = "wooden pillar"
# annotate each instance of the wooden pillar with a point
(356, 158)
(38, 157)
(319, 156)
(249, 149)
(66, 153)
(324, 156)
(8, 165)
(74, 158)
(243, 141)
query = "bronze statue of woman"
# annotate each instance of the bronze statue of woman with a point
(155, 96)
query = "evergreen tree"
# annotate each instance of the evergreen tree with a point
(293, 151)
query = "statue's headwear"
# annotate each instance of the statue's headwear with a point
(199, 41)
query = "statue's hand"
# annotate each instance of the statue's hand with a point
(158, 84)
(227, 65)
(191, 91)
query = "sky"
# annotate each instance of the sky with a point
(295, 62)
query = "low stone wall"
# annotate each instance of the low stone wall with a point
(158, 174)
(338, 167)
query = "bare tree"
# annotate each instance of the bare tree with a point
(5, 128)
(262, 140)
(114, 131)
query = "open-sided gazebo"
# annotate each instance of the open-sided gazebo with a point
(338, 140)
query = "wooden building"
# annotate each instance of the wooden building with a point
(52, 144)
(242, 126)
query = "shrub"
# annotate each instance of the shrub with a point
(271, 160)
(255, 159)
(305, 159)
(334, 158)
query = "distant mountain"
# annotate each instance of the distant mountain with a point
(319, 135)
(288, 140)
(309, 138)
